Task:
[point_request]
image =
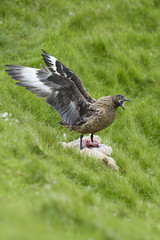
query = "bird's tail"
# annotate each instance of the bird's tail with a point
(64, 124)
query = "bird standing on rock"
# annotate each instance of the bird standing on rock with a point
(66, 93)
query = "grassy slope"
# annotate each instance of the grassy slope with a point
(47, 192)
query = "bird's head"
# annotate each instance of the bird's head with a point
(119, 100)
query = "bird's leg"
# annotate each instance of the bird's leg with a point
(92, 137)
(81, 136)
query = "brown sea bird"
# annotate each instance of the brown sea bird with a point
(65, 92)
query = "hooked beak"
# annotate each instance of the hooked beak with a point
(122, 103)
(127, 100)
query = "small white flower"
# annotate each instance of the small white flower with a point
(64, 135)
(16, 120)
(4, 115)
(54, 182)
(71, 13)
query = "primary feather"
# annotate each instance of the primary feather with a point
(59, 68)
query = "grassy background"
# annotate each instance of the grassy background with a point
(47, 192)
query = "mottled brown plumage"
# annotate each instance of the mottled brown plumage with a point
(65, 92)
(104, 111)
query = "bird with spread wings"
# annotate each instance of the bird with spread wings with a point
(64, 91)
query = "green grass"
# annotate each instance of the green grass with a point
(47, 192)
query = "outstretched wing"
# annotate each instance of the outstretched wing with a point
(31, 78)
(60, 69)
(63, 95)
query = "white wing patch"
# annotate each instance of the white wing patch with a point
(29, 78)
(52, 61)
(33, 79)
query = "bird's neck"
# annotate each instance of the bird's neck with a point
(107, 102)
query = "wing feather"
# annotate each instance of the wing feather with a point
(60, 69)
(63, 95)
(67, 100)
(30, 78)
